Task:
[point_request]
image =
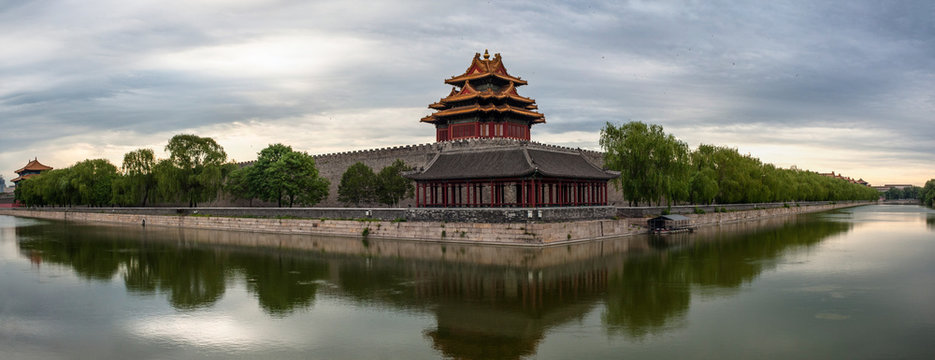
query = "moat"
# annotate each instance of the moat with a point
(850, 283)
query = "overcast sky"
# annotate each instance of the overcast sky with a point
(846, 86)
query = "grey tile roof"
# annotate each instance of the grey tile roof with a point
(672, 217)
(510, 162)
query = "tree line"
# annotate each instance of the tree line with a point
(198, 171)
(657, 168)
(928, 193)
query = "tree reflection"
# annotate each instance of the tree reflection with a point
(481, 310)
(281, 284)
(652, 293)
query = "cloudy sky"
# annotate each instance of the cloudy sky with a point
(847, 86)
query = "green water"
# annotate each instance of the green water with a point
(857, 284)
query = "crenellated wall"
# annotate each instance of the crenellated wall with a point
(518, 232)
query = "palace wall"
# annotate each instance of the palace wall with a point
(331, 166)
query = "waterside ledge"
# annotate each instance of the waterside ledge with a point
(529, 233)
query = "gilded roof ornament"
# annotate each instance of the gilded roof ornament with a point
(486, 55)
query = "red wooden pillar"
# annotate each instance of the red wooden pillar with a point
(519, 194)
(536, 185)
(491, 194)
(561, 193)
(590, 192)
(552, 194)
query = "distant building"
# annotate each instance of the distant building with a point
(845, 178)
(887, 187)
(32, 168)
(2, 185)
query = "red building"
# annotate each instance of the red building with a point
(484, 104)
(509, 171)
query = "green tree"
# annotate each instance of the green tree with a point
(391, 186)
(928, 193)
(238, 184)
(358, 185)
(282, 175)
(893, 193)
(653, 165)
(138, 181)
(703, 186)
(199, 168)
(93, 180)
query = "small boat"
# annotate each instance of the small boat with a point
(670, 224)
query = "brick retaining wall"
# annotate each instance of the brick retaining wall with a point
(517, 233)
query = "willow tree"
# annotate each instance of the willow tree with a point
(928, 193)
(653, 165)
(194, 170)
(138, 181)
(93, 180)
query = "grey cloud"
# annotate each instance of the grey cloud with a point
(709, 64)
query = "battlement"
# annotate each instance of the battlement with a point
(389, 149)
(471, 143)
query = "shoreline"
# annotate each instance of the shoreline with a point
(530, 233)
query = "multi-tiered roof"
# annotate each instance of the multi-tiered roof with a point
(32, 168)
(484, 103)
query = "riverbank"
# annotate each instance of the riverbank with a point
(516, 233)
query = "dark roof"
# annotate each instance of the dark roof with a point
(676, 217)
(510, 162)
(34, 165)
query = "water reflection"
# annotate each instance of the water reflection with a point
(487, 301)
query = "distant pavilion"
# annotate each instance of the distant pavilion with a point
(484, 104)
(32, 168)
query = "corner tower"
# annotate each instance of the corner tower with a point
(484, 104)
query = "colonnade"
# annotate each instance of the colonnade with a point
(536, 192)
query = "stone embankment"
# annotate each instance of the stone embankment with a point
(517, 233)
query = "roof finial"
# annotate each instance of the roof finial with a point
(486, 54)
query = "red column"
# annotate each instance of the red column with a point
(591, 192)
(524, 194)
(491, 194)
(560, 193)
(535, 193)
(552, 194)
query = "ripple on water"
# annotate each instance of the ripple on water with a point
(832, 316)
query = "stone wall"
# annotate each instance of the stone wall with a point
(467, 215)
(646, 211)
(516, 233)
(456, 232)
